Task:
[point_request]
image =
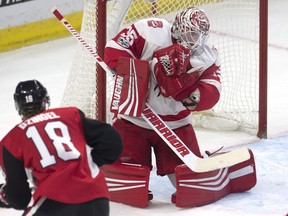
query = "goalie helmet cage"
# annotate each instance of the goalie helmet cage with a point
(238, 30)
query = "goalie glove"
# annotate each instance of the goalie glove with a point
(173, 60)
(170, 66)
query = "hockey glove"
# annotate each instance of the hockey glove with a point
(3, 201)
(170, 66)
(173, 60)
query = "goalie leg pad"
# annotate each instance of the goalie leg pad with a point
(197, 189)
(128, 184)
(243, 175)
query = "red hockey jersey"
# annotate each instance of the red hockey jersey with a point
(58, 147)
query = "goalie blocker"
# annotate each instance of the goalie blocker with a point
(131, 87)
(129, 183)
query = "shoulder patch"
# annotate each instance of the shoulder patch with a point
(155, 23)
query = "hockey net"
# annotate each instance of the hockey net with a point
(234, 32)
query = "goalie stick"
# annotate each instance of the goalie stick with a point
(195, 163)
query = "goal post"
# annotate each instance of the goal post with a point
(263, 69)
(238, 31)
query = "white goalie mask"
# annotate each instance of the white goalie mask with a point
(191, 29)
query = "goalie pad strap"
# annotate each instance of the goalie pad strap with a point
(128, 183)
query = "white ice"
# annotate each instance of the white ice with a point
(51, 62)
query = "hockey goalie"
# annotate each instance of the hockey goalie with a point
(174, 70)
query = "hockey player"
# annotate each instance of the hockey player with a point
(184, 76)
(62, 150)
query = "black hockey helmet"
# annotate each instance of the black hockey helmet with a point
(31, 98)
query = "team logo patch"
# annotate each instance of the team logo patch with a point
(123, 42)
(155, 23)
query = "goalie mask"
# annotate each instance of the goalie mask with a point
(191, 29)
(30, 98)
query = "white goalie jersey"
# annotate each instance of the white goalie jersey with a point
(140, 41)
